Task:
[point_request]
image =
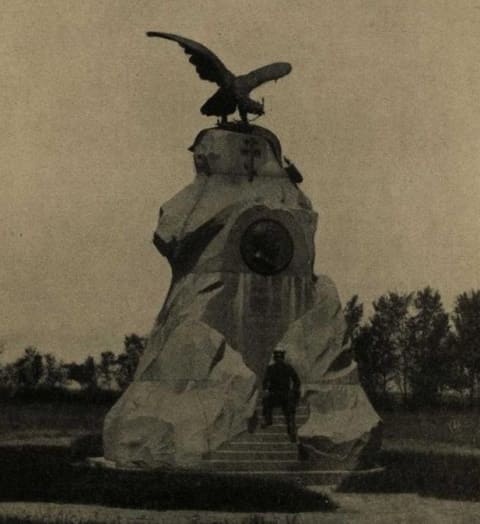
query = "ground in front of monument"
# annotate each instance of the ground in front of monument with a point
(431, 475)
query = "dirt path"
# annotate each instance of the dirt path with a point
(372, 509)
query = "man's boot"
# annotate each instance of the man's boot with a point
(252, 423)
(267, 412)
(267, 421)
(292, 430)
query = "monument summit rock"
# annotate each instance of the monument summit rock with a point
(240, 242)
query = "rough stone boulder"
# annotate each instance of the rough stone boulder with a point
(240, 242)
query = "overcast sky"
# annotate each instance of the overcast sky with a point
(380, 113)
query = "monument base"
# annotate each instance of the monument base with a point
(240, 242)
(307, 476)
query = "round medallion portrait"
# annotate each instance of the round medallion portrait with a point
(266, 247)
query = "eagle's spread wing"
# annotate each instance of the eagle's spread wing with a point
(265, 74)
(208, 65)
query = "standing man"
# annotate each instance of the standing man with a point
(281, 387)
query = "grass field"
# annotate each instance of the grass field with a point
(460, 427)
(23, 420)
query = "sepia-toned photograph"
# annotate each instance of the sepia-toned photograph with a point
(240, 275)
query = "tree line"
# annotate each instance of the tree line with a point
(412, 349)
(35, 371)
(409, 348)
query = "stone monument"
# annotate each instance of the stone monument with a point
(240, 242)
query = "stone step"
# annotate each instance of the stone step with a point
(301, 407)
(264, 436)
(307, 477)
(271, 430)
(254, 455)
(277, 412)
(275, 424)
(263, 466)
(280, 420)
(260, 446)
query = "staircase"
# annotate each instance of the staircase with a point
(268, 452)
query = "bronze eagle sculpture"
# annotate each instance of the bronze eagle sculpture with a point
(233, 90)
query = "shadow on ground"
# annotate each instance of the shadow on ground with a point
(47, 475)
(452, 476)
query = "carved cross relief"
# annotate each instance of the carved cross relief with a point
(251, 151)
